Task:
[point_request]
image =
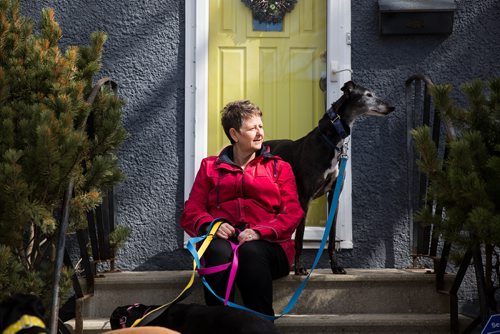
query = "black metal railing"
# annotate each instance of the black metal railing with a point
(100, 224)
(420, 112)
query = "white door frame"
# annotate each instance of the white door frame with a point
(196, 97)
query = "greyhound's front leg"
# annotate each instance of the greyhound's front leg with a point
(299, 239)
(332, 251)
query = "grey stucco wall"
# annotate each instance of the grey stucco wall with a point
(145, 55)
(381, 228)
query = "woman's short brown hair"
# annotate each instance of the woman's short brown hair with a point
(235, 112)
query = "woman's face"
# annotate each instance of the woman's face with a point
(251, 134)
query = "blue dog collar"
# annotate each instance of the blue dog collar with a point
(337, 123)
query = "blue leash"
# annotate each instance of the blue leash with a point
(331, 214)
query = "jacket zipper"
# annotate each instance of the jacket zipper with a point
(243, 184)
(218, 190)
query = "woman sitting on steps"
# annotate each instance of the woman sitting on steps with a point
(255, 192)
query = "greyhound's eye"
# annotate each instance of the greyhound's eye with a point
(369, 94)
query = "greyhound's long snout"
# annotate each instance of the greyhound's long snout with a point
(390, 109)
(381, 110)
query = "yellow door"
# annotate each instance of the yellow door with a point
(277, 70)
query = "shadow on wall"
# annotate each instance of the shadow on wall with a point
(179, 259)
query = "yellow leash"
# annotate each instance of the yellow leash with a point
(150, 316)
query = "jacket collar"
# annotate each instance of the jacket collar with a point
(226, 156)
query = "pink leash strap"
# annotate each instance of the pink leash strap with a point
(232, 273)
(214, 269)
(221, 267)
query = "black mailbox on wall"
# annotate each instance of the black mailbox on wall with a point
(402, 17)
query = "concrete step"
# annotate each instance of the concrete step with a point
(390, 323)
(361, 291)
(340, 323)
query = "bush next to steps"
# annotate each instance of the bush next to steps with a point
(466, 182)
(46, 141)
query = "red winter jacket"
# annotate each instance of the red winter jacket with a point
(263, 197)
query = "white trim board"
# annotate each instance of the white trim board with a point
(196, 98)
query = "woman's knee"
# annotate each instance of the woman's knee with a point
(263, 256)
(218, 252)
(254, 252)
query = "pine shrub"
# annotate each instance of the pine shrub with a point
(49, 134)
(467, 181)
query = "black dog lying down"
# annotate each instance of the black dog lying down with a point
(23, 314)
(195, 318)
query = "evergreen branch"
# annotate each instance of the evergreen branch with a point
(29, 247)
(45, 246)
(440, 94)
(19, 253)
(428, 162)
(50, 29)
(118, 237)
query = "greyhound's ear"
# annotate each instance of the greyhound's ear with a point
(348, 87)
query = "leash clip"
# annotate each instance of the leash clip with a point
(345, 148)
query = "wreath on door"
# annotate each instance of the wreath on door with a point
(270, 11)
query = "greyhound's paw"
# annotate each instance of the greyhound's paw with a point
(336, 270)
(301, 271)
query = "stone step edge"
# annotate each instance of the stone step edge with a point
(330, 320)
(320, 276)
(367, 320)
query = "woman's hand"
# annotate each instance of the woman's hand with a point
(248, 235)
(225, 231)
